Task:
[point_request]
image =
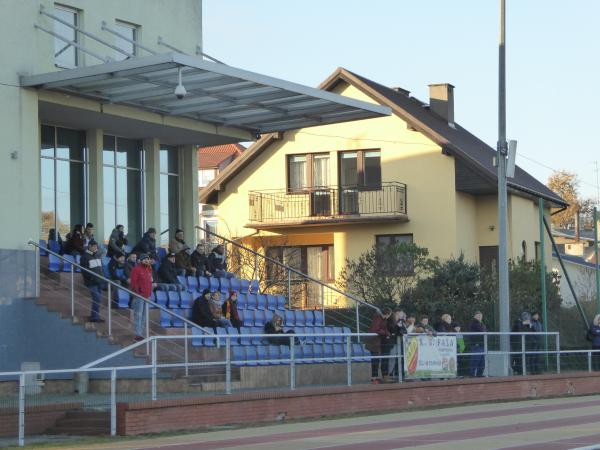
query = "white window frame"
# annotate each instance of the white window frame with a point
(77, 14)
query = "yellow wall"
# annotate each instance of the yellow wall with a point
(444, 221)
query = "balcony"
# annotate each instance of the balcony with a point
(327, 206)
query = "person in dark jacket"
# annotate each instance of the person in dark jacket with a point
(275, 327)
(147, 244)
(200, 261)
(117, 241)
(167, 273)
(75, 244)
(379, 344)
(595, 335)
(130, 263)
(536, 343)
(397, 327)
(116, 272)
(93, 262)
(183, 262)
(230, 311)
(521, 325)
(477, 362)
(201, 313)
(217, 264)
(445, 324)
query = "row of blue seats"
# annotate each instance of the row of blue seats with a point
(198, 284)
(201, 339)
(264, 355)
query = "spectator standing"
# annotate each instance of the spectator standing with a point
(536, 343)
(91, 261)
(217, 263)
(117, 241)
(178, 245)
(522, 325)
(477, 361)
(142, 284)
(460, 348)
(167, 273)
(230, 311)
(397, 328)
(147, 244)
(200, 261)
(411, 320)
(424, 327)
(445, 324)
(595, 336)
(379, 344)
(75, 244)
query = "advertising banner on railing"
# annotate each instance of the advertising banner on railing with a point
(429, 356)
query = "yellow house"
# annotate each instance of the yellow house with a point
(329, 193)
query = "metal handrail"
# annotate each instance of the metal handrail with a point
(130, 292)
(291, 269)
(309, 189)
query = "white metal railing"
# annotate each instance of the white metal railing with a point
(228, 362)
(187, 324)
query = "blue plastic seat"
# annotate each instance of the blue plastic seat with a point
(358, 353)
(309, 339)
(54, 246)
(221, 332)
(122, 298)
(241, 301)
(192, 283)
(245, 340)
(213, 284)
(304, 354)
(186, 300)
(268, 316)
(254, 286)
(250, 301)
(262, 355)
(256, 340)
(329, 339)
(339, 351)
(54, 263)
(68, 263)
(198, 337)
(43, 247)
(224, 284)
(161, 253)
(309, 318)
(174, 299)
(274, 355)
(284, 353)
(280, 302)
(299, 317)
(165, 319)
(244, 285)
(161, 297)
(203, 283)
(251, 356)
(319, 339)
(209, 341)
(259, 318)
(319, 319)
(78, 261)
(248, 318)
(176, 321)
(127, 248)
(238, 356)
(318, 352)
(289, 319)
(234, 284)
(234, 336)
(261, 301)
(328, 352)
(182, 280)
(338, 339)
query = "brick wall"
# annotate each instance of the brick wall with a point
(37, 418)
(263, 407)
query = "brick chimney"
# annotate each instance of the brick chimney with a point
(441, 101)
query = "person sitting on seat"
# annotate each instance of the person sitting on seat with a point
(88, 234)
(75, 244)
(178, 245)
(200, 261)
(147, 244)
(116, 241)
(202, 314)
(184, 265)
(217, 263)
(167, 273)
(116, 269)
(230, 311)
(275, 327)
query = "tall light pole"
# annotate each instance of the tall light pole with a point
(503, 294)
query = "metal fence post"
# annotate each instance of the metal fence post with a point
(72, 292)
(323, 301)
(348, 361)
(292, 363)
(524, 370)
(113, 402)
(185, 348)
(589, 353)
(109, 310)
(289, 289)
(558, 353)
(485, 355)
(357, 321)
(154, 369)
(228, 365)
(147, 310)
(21, 410)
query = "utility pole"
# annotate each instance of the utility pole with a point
(503, 294)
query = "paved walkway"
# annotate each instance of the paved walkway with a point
(535, 424)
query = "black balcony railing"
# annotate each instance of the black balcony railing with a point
(387, 200)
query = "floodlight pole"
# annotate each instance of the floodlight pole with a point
(503, 294)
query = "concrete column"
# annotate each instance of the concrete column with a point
(95, 143)
(152, 149)
(188, 189)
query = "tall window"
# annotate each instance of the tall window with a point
(316, 261)
(391, 261)
(65, 54)
(129, 31)
(169, 192)
(123, 186)
(361, 169)
(63, 180)
(308, 171)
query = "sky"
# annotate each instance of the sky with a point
(553, 61)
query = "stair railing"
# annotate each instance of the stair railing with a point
(187, 324)
(322, 287)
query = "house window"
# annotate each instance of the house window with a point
(130, 32)
(169, 192)
(65, 53)
(361, 168)
(308, 171)
(205, 176)
(316, 261)
(388, 260)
